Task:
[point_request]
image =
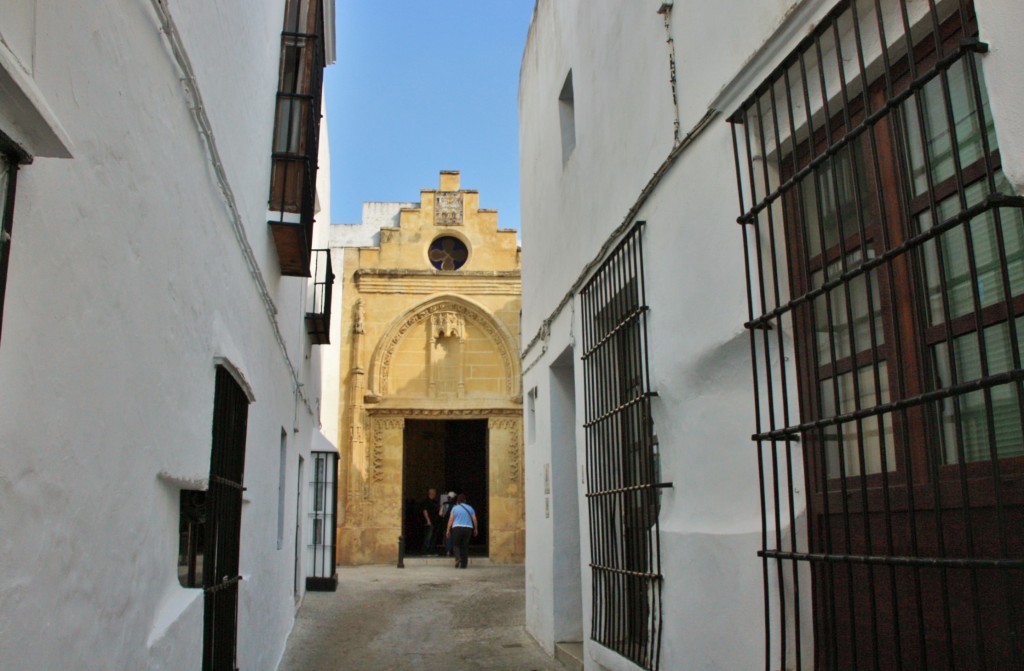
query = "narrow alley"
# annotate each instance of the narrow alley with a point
(424, 617)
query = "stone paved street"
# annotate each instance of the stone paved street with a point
(421, 618)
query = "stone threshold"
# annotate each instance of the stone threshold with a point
(444, 561)
(570, 654)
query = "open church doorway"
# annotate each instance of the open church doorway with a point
(447, 455)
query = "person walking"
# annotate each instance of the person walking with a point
(430, 509)
(447, 502)
(461, 523)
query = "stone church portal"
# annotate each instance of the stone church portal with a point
(428, 376)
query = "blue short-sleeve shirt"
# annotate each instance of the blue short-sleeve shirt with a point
(463, 515)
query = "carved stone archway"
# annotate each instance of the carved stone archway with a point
(448, 314)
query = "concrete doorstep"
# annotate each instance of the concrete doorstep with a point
(425, 617)
(570, 654)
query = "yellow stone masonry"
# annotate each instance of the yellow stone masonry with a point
(426, 342)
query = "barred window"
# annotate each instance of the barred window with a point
(296, 140)
(10, 157)
(191, 537)
(886, 260)
(622, 466)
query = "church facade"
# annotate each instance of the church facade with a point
(428, 375)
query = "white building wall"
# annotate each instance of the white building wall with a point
(713, 615)
(128, 280)
(623, 110)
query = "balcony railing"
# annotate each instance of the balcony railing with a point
(297, 136)
(318, 320)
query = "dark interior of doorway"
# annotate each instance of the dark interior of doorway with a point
(448, 455)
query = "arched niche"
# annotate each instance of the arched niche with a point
(441, 322)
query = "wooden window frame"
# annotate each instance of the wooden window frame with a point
(916, 559)
(901, 288)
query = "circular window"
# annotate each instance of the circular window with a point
(448, 253)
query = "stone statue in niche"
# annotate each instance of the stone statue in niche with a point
(359, 325)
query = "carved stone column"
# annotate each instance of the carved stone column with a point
(507, 542)
(357, 488)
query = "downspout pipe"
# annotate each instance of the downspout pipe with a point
(666, 11)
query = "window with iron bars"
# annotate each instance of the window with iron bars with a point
(297, 135)
(318, 319)
(11, 156)
(885, 261)
(191, 537)
(621, 458)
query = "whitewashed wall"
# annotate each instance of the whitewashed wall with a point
(128, 279)
(699, 351)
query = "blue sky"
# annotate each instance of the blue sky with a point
(422, 86)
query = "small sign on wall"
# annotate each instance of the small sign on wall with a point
(547, 507)
(547, 478)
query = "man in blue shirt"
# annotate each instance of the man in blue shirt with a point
(461, 524)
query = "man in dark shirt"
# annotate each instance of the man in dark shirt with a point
(430, 510)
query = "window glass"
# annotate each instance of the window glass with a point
(931, 131)
(448, 253)
(5, 168)
(829, 201)
(288, 135)
(956, 255)
(294, 63)
(834, 330)
(972, 422)
(297, 16)
(874, 432)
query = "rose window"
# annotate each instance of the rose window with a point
(448, 253)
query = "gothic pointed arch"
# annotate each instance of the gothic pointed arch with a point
(445, 313)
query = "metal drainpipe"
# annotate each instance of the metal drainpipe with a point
(666, 11)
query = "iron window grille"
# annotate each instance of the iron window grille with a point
(885, 263)
(11, 156)
(223, 523)
(622, 460)
(297, 135)
(323, 529)
(191, 537)
(318, 320)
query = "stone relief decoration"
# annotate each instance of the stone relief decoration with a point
(380, 369)
(446, 412)
(448, 208)
(514, 454)
(375, 460)
(447, 325)
(358, 323)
